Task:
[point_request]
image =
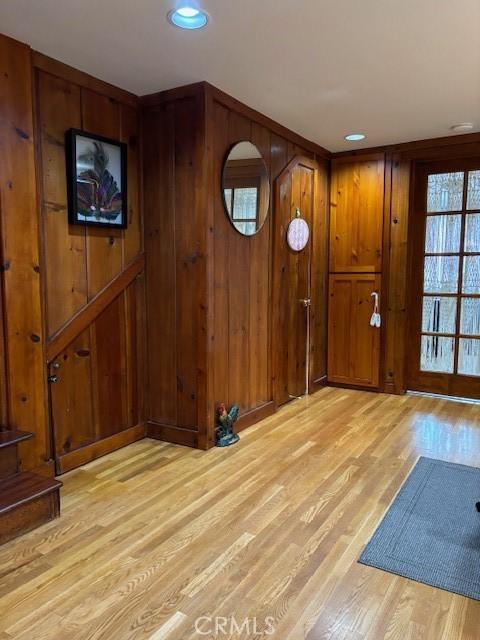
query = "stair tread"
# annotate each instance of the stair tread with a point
(24, 487)
(10, 437)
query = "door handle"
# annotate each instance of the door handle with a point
(305, 302)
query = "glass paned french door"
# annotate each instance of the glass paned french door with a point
(445, 326)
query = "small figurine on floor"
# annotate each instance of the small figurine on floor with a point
(225, 420)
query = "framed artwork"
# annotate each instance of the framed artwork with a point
(96, 180)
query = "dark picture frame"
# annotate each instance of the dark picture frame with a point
(96, 180)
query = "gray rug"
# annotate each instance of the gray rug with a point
(431, 533)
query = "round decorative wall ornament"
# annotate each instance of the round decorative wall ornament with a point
(298, 233)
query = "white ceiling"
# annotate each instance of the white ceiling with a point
(396, 70)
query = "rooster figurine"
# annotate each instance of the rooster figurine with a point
(225, 420)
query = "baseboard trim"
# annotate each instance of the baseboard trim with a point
(255, 415)
(195, 439)
(175, 435)
(79, 457)
(355, 387)
(318, 384)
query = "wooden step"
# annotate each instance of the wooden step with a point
(9, 439)
(27, 500)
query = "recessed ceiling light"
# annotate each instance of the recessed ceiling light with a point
(462, 127)
(355, 137)
(188, 17)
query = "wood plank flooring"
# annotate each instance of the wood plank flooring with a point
(154, 536)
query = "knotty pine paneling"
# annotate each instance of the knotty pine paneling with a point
(80, 261)
(356, 217)
(65, 246)
(98, 395)
(23, 320)
(209, 289)
(172, 172)
(243, 272)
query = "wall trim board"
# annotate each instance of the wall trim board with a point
(81, 456)
(418, 148)
(386, 251)
(255, 415)
(80, 321)
(194, 439)
(317, 385)
(159, 98)
(62, 70)
(175, 435)
(355, 387)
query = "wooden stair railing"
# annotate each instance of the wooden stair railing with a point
(27, 500)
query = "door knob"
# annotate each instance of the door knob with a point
(52, 379)
(305, 301)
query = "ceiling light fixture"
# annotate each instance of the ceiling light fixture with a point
(461, 127)
(355, 137)
(188, 17)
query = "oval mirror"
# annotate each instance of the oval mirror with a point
(246, 188)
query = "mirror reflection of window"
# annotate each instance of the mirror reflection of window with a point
(246, 188)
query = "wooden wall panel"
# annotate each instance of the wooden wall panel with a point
(242, 273)
(80, 261)
(222, 230)
(24, 326)
(260, 341)
(186, 256)
(356, 217)
(66, 273)
(73, 389)
(319, 279)
(396, 311)
(3, 362)
(98, 394)
(158, 148)
(243, 269)
(130, 134)
(110, 374)
(238, 266)
(174, 228)
(101, 115)
(187, 134)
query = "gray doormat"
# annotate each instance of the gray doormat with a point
(431, 533)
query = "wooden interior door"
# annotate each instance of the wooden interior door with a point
(444, 300)
(295, 189)
(353, 344)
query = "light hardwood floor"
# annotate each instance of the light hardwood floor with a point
(154, 536)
